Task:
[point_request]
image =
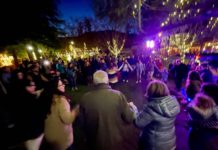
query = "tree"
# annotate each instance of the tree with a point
(22, 20)
(188, 23)
(78, 26)
(117, 12)
(87, 24)
(116, 46)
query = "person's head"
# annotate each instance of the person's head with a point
(178, 62)
(87, 63)
(111, 65)
(20, 75)
(157, 89)
(194, 75)
(70, 65)
(102, 60)
(203, 101)
(59, 60)
(35, 69)
(56, 86)
(100, 77)
(30, 86)
(211, 90)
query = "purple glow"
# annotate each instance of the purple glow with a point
(147, 43)
(150, 44)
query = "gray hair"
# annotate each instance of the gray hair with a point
(100, 76)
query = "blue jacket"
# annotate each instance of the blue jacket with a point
(157, 121)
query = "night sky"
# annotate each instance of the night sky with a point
(75, 8)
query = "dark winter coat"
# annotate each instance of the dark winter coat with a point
(105, 117)
(204, 123)
(157, 121)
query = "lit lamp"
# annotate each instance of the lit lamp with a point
(30, 51)
(159, 34)
(150, 45)
(39, 50)
(73, 49)
(29, 47)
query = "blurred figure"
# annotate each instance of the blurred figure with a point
(206, 74)
(180, 73)
(139, 71)
(157, 119)
(88, 72)
(105, 116)
(29, 116)
(103, 65)
(6, 77)
(164, 75)
(58, 124)
(210, 89)
(149, 67)
(125, 68)
(193, 84)
(213, 66)
(204, 123)
(61, 68)
(72, 76)
(113, 75)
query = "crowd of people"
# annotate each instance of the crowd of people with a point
(35, 105)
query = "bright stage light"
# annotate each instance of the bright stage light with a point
(46, 63)
(150, 44)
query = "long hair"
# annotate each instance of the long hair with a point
(51, 89)
(194, 75)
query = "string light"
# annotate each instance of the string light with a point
(6, 60)
(182, 10)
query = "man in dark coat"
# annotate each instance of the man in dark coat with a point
(105, 116)
(180, 73)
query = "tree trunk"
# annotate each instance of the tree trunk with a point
(14, 53)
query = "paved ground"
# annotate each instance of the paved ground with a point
(135, 92)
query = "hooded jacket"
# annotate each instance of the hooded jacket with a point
(203, 118)
(157, 121)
